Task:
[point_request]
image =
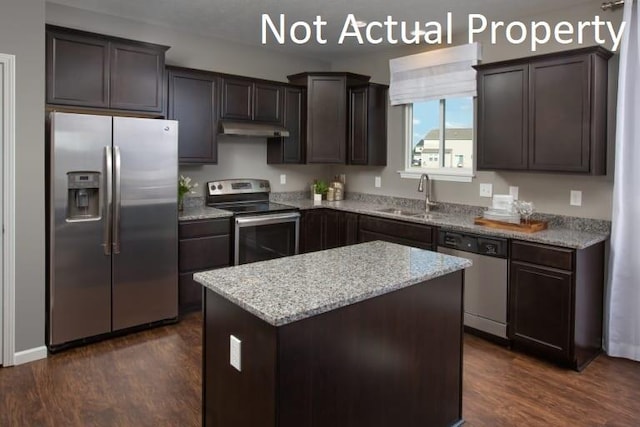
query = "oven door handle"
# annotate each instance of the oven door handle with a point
(250, 221)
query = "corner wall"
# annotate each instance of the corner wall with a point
(549, 192)
(22, 35)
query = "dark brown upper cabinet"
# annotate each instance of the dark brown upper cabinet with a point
(248, 99)
(546, 113)
(92, 70)
(502, 117)
(327, 113)
(368, 125)
(290, 149)
(193, 102)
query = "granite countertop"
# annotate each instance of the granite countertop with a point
(284, 290)
(202, 212)
(559, 236)
(564, 236)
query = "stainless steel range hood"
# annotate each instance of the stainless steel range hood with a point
(251, 129)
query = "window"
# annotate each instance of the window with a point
(438, 89)
(440, 137)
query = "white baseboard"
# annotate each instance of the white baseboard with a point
(30, 355)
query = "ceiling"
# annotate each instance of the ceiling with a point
(240, 20)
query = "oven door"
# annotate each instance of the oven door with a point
(263, 237)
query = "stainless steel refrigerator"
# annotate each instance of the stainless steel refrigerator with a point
(112, 224)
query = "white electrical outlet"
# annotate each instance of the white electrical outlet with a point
(513, 191)
(378, 182)
(576, 198)
(343, 178)
(283, 179)
(486, 190)
(235, 352)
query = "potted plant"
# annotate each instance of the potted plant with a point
(184, 187)
(320, 189)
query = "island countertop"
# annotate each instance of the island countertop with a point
(284, 290)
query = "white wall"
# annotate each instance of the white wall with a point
(22, 35)
(237, 157)
(549, 192)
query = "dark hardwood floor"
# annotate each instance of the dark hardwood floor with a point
(153, 378)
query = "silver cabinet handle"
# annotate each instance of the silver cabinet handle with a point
(118, 200)
(108, 200)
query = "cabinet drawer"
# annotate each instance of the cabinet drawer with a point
(549, 256)
(204, 228)
(204, 253)
(398, 229)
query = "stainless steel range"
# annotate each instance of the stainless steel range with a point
(262, 229)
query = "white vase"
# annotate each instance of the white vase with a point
(317, 198)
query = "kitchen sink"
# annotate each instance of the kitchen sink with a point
(411, 213)
(403, 212)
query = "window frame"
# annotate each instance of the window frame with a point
(441, 173)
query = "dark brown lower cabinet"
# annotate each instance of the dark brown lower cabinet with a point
(556, 301)
(366, 364)
(326, 229)
(203, 245)
(401, 232)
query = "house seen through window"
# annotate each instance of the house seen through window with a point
(441, 136)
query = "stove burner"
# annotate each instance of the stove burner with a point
(250, 208)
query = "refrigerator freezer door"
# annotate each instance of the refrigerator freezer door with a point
(145, 240)
(79, 269)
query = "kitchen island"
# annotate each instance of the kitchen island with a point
(368, 334)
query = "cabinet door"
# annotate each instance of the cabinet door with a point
(333, 230)
(368, 125)
(350, 228)
(292, 148)
(137, 76)
(192, 101)
(77, 70)
(267, 103)
(236, 99)
(313, 224)
(358, 135)
(503, 117)
(559, 115)
(189, 294)
(327, 119)
(541, 309)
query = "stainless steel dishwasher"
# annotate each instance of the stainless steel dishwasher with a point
(485, 283)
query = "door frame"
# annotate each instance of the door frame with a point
(7, 214)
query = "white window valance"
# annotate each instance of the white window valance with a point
(442, 73)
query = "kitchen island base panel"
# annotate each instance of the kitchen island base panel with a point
(395, 359)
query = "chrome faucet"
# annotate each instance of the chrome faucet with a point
(428, 204)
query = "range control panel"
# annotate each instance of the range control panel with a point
(237, 186)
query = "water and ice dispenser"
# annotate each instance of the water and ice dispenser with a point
(83, 200)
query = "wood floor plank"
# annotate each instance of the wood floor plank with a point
(153, 378)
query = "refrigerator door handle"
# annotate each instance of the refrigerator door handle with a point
(118, 199)
(108, 199)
